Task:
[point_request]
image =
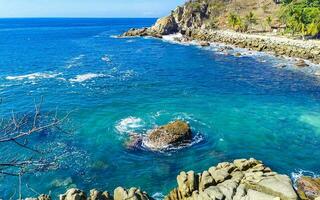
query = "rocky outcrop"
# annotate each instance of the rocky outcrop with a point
(171, 134)
(164, 137)
(193, 20)
(165, 26)
(119, 194)
(239, 180)
(74, 194)
(309, 188)
(131, 194)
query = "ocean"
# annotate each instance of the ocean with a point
(238, 107)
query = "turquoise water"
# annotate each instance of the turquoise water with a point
(240, 106)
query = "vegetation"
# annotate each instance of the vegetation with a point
(301, 17)
(237, 23)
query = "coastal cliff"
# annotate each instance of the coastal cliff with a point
(243, 179)
(205, 20)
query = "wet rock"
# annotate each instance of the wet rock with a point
(171, 134)
(241, 180)
(74, 194)
(237, 54)
(131, 194)
(204, 43)
(308, 188)
(135, 141)
(301, 63)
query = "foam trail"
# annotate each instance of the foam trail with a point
(129, 125)
(85, 77)
(33, 76)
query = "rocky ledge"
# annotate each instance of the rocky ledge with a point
(192, 25)
(238, 180)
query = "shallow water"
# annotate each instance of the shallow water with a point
(242, 106)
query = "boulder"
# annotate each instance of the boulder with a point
(240, 180)
(171, 134)
(98, 195)
(204, 43)
(131, 194)
(308, 188)
(165, 26)
(74, 194)
(44, 197)
(301, 63)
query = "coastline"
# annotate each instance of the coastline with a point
(300, 50)
(241, 179)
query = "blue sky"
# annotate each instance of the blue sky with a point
(87, 8)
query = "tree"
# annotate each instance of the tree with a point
(301, 17)
(250, 19)
(19, 132)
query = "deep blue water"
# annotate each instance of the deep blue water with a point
(241, 106)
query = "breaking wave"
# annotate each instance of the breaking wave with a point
(33, 76)
(129, 125)
(86, 77)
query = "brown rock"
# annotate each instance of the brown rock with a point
(172, 134)
(308, 188)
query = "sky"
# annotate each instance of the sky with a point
(86, 8)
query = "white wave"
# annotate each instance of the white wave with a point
(106, 58)
(74, 62)
(33, 76)
(86, 77)
(129, 125)
(299, 173)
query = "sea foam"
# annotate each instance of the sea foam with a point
(85, 77)
(33, 76)
(129, 125)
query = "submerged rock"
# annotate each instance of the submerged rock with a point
(171, 134)
(239, 180)
(308, 188)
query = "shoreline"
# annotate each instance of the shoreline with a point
(241, 179)
(300, 50)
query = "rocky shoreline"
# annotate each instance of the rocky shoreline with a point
(192, 25)
(243, 179)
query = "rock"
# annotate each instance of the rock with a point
(44, 197)
(135, 141)
(131, 194)
(73, 194)
(308, 188)
(165, 26)
(241, 180)
(204, 43)
(301, 63)
(171, 134)
(98, 195)
(237, 54)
